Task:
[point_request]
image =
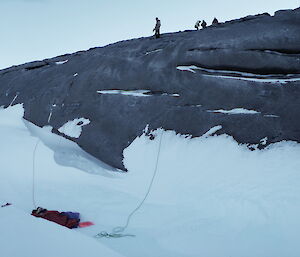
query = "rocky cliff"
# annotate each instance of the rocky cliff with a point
(243, 75)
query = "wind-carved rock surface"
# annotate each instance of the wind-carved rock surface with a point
(243, 76)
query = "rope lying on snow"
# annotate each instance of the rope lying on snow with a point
(117, 231)
(33, 174)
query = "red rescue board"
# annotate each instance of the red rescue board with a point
(85, 224)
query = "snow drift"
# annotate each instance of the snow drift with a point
(211, 197)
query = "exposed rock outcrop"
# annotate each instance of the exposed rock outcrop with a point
(243, 75)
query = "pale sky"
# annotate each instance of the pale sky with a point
(38, 29)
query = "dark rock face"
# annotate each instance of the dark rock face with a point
(184, 81)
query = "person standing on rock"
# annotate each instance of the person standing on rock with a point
(197, 25)
(203, 24)
(157, 28)
(215, 21)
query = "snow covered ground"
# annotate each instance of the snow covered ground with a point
(211, 197)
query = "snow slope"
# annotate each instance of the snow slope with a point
(22, 235)
(211, 197)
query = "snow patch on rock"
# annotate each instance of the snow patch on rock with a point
(227, 74)
(16, 96)
(125, 92)
(154, 51)
(212, 131)
(49, 117)
(264, 141)
(187, 68)
(271, 116)
(235, 111)
(140, 92)
(73, 128)
(61, 62)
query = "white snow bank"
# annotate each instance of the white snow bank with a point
(23, 235)
(240, 75)
(61, 62)
(235, 111)
(73, 128)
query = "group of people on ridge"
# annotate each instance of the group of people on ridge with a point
(204, 24)
(197, 25)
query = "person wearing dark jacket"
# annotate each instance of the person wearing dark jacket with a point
(157, 28)
(215, 21)
(203, 24)
(197, 25)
